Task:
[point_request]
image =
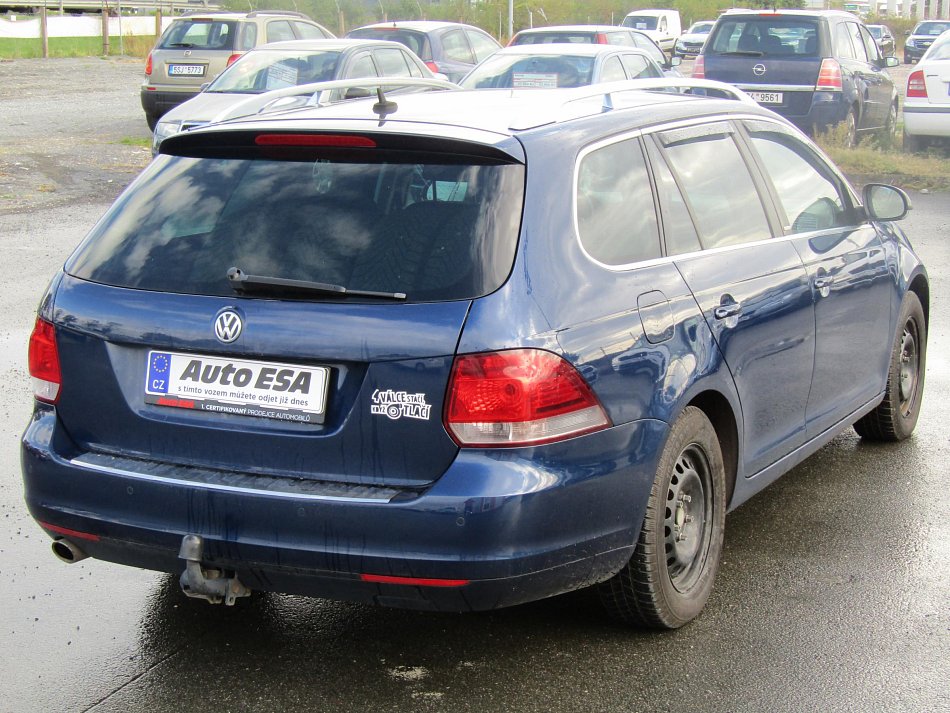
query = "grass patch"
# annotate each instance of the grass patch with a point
(882, 160)
(130, 45)
(145, 142)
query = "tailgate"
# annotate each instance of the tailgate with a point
(381, 422)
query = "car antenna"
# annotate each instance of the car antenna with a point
(383, 106)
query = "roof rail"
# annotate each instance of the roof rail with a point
(291, 13)
(261, 103)
(577, 102)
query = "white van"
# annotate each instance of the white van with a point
(663, 26)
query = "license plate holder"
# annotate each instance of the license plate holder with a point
(767, 97)
(243, 387)
(186, 70)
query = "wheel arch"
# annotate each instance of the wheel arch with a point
(719, 411)
(920, 287)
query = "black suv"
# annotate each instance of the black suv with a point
(815, 68)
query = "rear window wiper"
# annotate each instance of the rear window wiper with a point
(241, 282)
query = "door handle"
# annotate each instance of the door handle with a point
(726, 311)
(823, 285)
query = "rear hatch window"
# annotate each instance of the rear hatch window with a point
(200, 35)
(431, 231)
(774, 36)
(418, 42)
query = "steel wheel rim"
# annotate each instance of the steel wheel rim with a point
(687, 524)
(909, 368)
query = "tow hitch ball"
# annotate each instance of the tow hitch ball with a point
(210, 584)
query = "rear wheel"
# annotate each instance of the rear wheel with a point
(851, 128)
(890, 126)
(669, 577)
(913, 143)
(895, 417)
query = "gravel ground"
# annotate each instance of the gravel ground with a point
(59, 144)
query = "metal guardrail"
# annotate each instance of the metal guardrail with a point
(168, 6)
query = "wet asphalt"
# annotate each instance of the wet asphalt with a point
(833, 595)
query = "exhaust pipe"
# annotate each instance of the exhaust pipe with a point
(67, 551)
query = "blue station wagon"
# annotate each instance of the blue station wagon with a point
(462, 350)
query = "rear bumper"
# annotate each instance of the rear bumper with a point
(517, 524)
(156, 102)
(927, 119)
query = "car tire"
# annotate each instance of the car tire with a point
(913, 143)
(670, 575)
(895, 417)
(851, 128)
(889, 130)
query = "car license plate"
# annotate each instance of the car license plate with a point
(189, 70)
(286, 392)
(767, 97)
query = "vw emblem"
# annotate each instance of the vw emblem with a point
(228, 326)
(758, 70)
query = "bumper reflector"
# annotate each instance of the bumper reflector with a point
(413, 581)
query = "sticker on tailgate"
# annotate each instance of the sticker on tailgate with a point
(288, 392)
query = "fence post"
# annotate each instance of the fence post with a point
(105, 28)
(44, 33)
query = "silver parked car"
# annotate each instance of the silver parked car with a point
(287, 64)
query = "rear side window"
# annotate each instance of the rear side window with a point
(616, 215)
(717, 185)
(392, 63)
(248, 36)
(482, 45)
(279, 31)
(765, 36)
(199, 34)
(612, 70)
(433, 231)
(619, 38)
(306, 31)
(808, 191)
(639, 68)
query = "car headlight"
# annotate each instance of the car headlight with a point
(910, 43)
(163, 130)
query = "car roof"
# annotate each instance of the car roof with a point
(785, 11)
(420, 25)
(327, 44)
(574, 28)
(489, 115)
(560, 49)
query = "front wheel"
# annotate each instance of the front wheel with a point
(895, 417)
(670, 575)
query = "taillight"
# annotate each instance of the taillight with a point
(600, 39)
(916, 85)
(699, 68)
(829, 76)
(519, 397)
(44, 362)
(233, 58)
(432, 66)
(148, 65)
(331, 140)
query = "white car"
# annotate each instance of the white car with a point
(927, 103)
(691, 42)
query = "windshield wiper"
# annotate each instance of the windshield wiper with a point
(241, 282)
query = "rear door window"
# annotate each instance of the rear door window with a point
(616, 213)
(392, 63)
(306, 31)
(482, 45)
(248, 38)
(612, 71)
(639, 68)
(432, 231)
(716, 182)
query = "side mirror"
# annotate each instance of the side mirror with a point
(907, 33)
(883, 202)
(357, 93)
(676, 61)
(204, 86)
(891, 62)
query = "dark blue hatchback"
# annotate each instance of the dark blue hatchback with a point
(815, 68)
(468, 350)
